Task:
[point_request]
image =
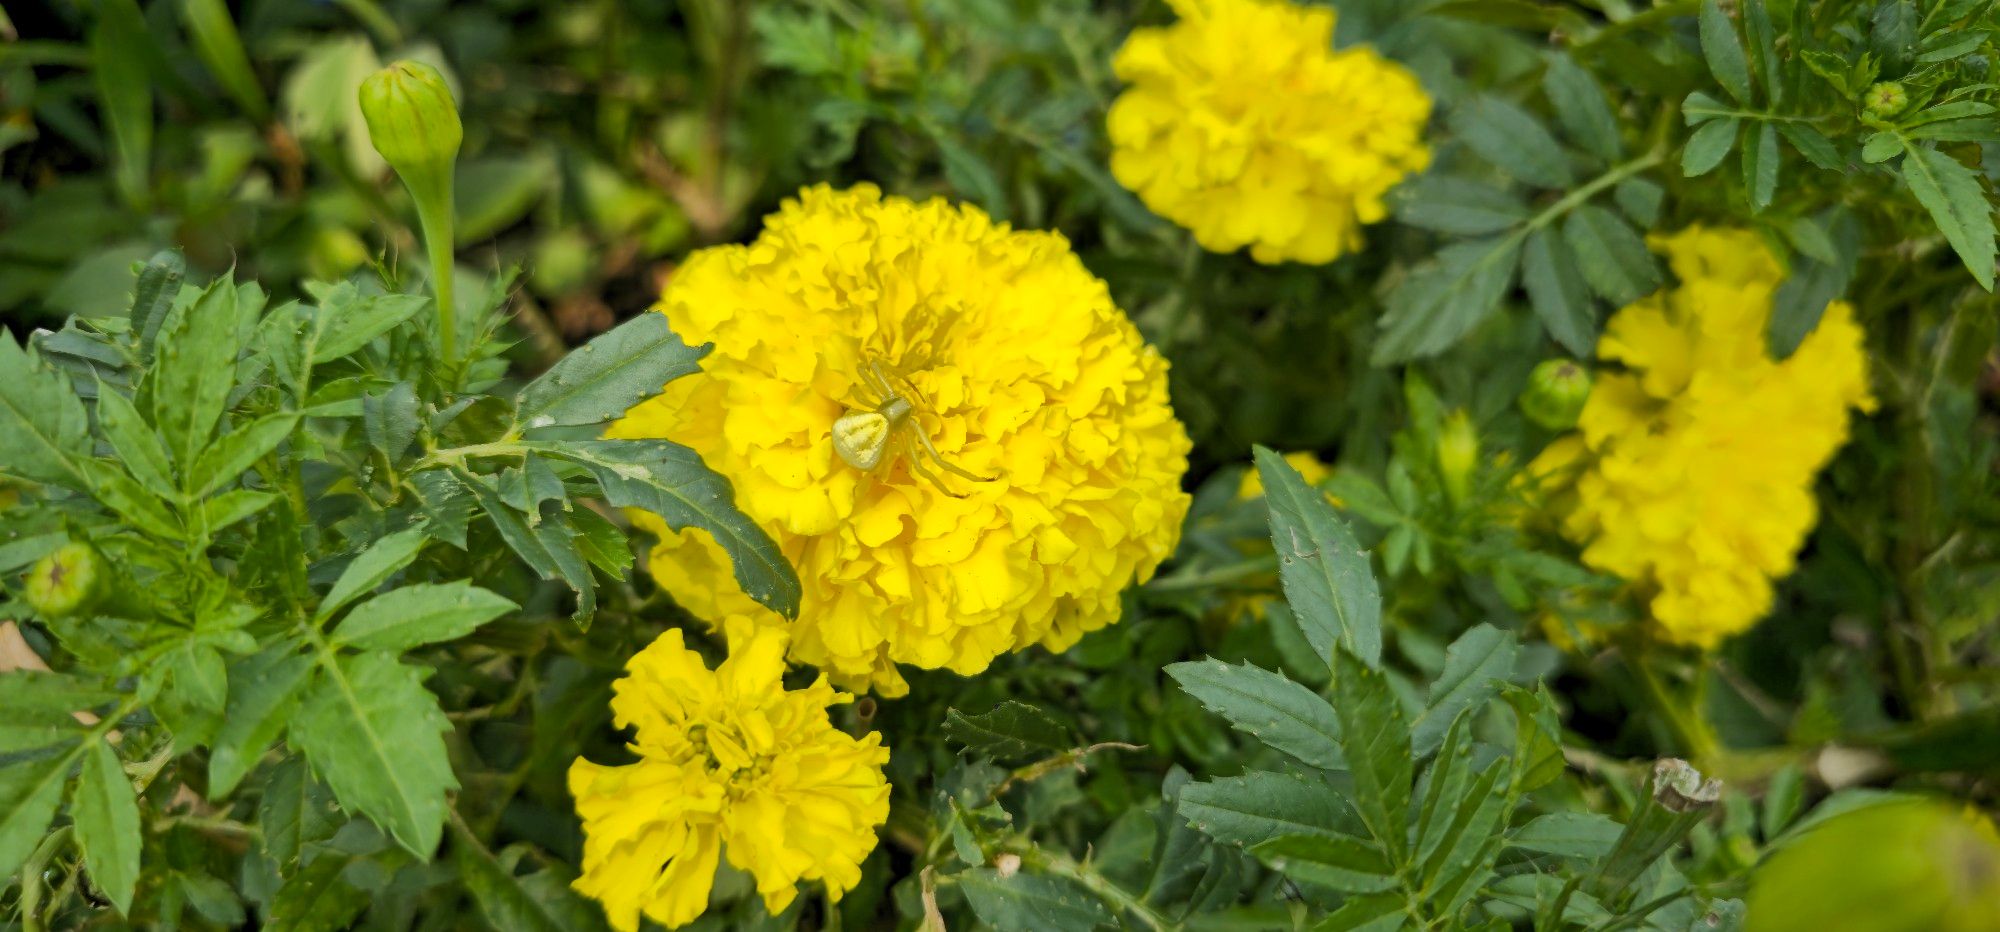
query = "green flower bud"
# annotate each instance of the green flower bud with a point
(1555, 394)
(1457, 453)
(1892, 867)
(66, 582)
(1884, 100)
(412, 119)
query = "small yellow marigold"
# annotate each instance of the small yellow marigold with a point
(1693, 468)
(1023, 370)
(729, 761)
(1244, 125)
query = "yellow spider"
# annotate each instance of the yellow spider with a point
(863, 438)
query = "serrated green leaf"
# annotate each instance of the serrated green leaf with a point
(294, 810)
(33, 697)
(135, 443)
(1328, 583)
(1959, 205)
(317, 898)
(1011, 730)
(1441, 300)
(1513, 141)
(1375, 912)
(30, 791)
(1881, 147)
(558, 539)
(348, 320)
(1457, 855)
(513, 530)
(1029, 902)
(196, 367)
(539, 902)
(1375, 741)
(232, 506)
(1764, 50)
(1582, 107)
(1640, 199)
(1585, 835)
(1708, 146)
(426, 613)
(1760, 166)
(1262, 805)
(1558, 293)
(44, 431)
(1472, 665)
(106, 816)
(1951, 45)
(238, 450)
(599, 381)
(446, 503)
(263, 690)
(1611, 255)
(1812, 144)
(603, 543)
(1342, 863)
(112, 487)
(376, 734)
(153, 296)
(389, 419)
(671, 481)
(1459, 206)
(1271, 708)
(371, 568)
(1538, 758)
(1724, 51)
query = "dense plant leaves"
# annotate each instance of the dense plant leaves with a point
(1011, 730)
(412, 616)
(1441, 300)
(1328, 583)
(263, 691)
(347, 320)
(538, 902)
(1567, 834)
(196, 368)
(107, 825)
(1031, 902)
(372, 730)
(1958, 203)
(153, 296)
(1459, 206)
(1558, 293)
(1611, 255)
(135, 443)
(1341, 863)
(30, 791)
(294, 811)
(44, 431)
(1268, 706)
(1376, 743)
(601, 379)
(1261, 805)
(1472, 664)
(1513, 141)
(238, 450)
(317, 898)
(371, 568)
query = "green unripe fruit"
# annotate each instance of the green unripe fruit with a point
(1457, 453)
(1884, 100)
(1556, 392)
(66, 582)
(412, 119)
(1915, 866)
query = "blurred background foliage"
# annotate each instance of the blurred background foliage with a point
(607, 138)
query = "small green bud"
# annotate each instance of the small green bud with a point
(1889, 867)
(1555, 394)
(412, 119)
(66, 582)
(1884, 100)
(1457, 453)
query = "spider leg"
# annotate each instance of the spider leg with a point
(938, 458)
(917, 466)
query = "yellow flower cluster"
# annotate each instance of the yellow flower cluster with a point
(1020, 371)
(1245, 126)
(728, 761)
(1693, 468)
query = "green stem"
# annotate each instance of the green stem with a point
(434, 213)
(1691, 731)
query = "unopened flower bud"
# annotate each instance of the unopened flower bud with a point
(66, 582)
(1884, 100)
(412, 119)
(1555, 394)
(1457, 453)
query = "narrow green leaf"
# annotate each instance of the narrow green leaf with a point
(232, 506)
(1472, 665)
(1709, 145)
(120, 44)
(1028, 902)
(599, 381)
(1699, 107)
(1582, 107)
(1376, 743)
(513, 530)
(371, 568)
(116, 490)
(294, 810)
(1585, 835)
(238, 450)
(1374, 912)
(1611, 255)
(263, 690)
(1327, 580)
(1513, 141)
(1813, 144)
(1342, 863)
(1440, 301)
(135, 443)
(221, 49)
(1459, 855)
(671, 481)
(1456, 205)
(425, 613)
(1881, 147)
(372, 730)
(1959, 205)
(30, 791)
(1268, 706)
(1724, 51)
(1764, 50)
(153, 296)
(1640, 199)
(36, 697)
(350, 321)
(196, 367)
(1538, 758)
(107, 825)
(1557, 291)
(44, 431)
(389, 419)
(558, 539)
(1760, 166)
(1012, 730)
(1261, 805)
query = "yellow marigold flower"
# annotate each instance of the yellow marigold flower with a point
(1693, 468)
(1020, 370)
(1245, 126)
(729, 762)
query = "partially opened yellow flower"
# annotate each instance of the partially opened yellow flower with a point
(1692, 471)
(730, 762)
(1244, 125)
(948, 427)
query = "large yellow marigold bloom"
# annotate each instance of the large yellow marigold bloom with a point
(729, 762)
(1693, 468)
(1245, 126)
(1023, 371)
